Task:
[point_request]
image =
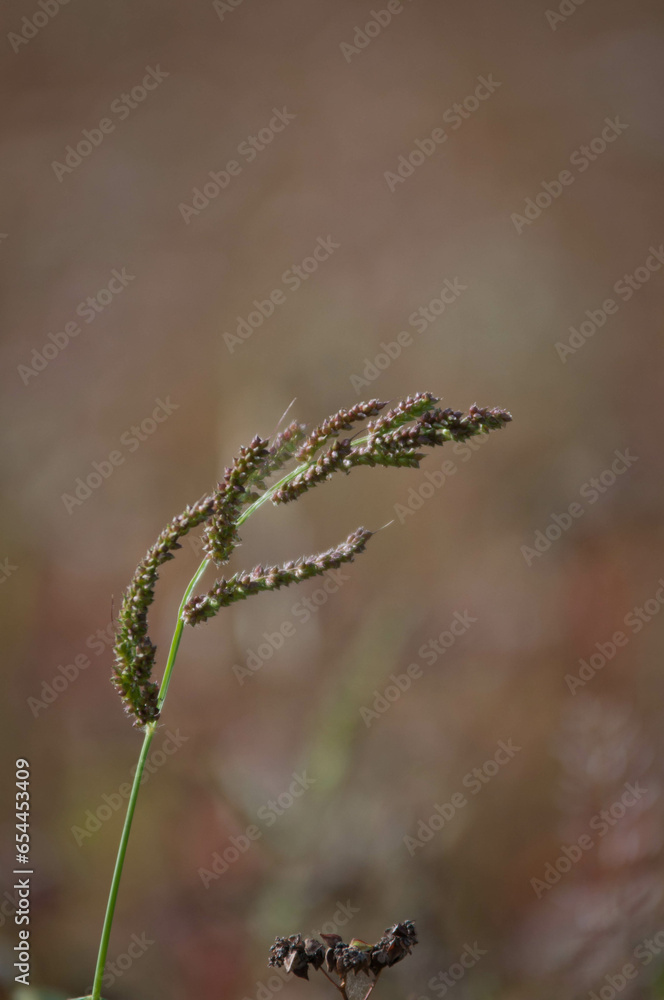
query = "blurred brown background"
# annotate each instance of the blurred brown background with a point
(339, 849)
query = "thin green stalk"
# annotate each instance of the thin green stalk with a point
(177, 635)
(119, 863)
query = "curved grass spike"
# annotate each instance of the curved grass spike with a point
(394, 439)
(244, 585)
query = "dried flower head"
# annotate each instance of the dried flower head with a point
(297, 954)
(395, 438)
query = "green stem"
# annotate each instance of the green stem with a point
(119, 863)
(177, 635)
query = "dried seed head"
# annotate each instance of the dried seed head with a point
(295, 955)
(332, 939)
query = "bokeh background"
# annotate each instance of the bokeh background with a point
(338, 853)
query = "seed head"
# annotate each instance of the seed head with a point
(244, 585)
(394, 439)
(341, 421)
(232, 494)
(296, 955)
